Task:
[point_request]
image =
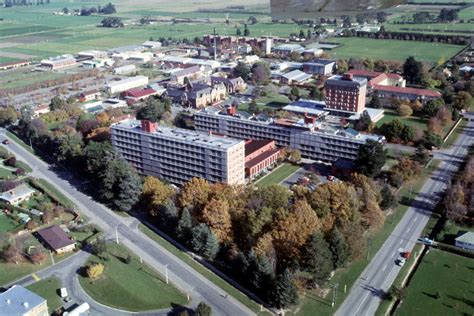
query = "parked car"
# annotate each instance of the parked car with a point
(5, 142)
(426, 240)
(63, 292)
(406, 254)
(401, 261)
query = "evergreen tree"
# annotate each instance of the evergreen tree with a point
(408, 134)
(413, 70)
(211, 247)
(375, 102)
(388, 199)
(184, 225)
(203, 310)
(338, 247)
(285, 292)
(238, 32)
(204, 242)
(246, 30)
(371, 158)
(317, 258)
(364, 122)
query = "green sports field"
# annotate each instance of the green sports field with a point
(393, 49)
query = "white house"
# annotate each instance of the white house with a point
(465, 241)
(17, 195)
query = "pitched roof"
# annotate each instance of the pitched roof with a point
(467, 238)
(405, 90)
(364, 73)
(19, 191)
(55, 237)
(138, 92)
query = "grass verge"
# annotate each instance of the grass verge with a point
(277, 175)
(19, 142)
(56, 194)
(211, 276)
(131, 286)
(48, 289)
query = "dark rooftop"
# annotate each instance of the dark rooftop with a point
(55, 237)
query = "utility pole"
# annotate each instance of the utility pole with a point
(334, 286)
(116, 235)
(166, 273)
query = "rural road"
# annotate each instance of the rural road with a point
(180, 274)
(366, 294)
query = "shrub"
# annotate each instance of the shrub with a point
(11, 162)
(404, 110)
(95, 270)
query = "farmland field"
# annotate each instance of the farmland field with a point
(393, 49)
(449, 293)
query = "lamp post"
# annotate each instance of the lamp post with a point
(166, 273)
(116, 235)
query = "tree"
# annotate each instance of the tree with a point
(153, 110)
(203, 310)
(371, 158)
(404, 110)
(260, 72)
(69, 148)
(95, 270)
(431, 140)
(375, 102)
(294, 93)
(242, 70)
(95, 154)
(10, 162)
(238, 32)
(37, 256)
(252, 20)
(246, 30)
(47, 216)
(316, 258)
(112, 22)
(388, 199)
(13, 255)
(315, 93)
(463, 100)
(194, 194)
(338, 247)
(364, 123)
(184, 225)
(216, 216)
(108, 9)
(99, 247)
(432, 107)
(408, 134)
(421, 155)
(56, 103)
(413, 70)
(285, 292)
(7, 116)
(204, 242)
(155, 193)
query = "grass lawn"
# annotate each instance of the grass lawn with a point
(61, 197)
(413, 121)
(393, 49)
(5, 173)
(19, 141)
(315, 305)
(10, 272)
(6, 223)
(444, 273)
(133, 286)
(208, 274)
(24, 166)
(48, 289)
(277, 175)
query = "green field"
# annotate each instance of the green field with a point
(7, 224)
(444, 273)
(413, 121)
(48, 289)
(277, 175)
(129, 286)
(393, 49)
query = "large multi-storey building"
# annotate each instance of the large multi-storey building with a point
(317, 139)
(346, 93)
(178, 155)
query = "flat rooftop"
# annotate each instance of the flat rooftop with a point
(18, 301)
(181, 135)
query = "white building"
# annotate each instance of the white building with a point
(59, 62)
(17, 195)
(127, 83)
(19, 301)
(97, 63)
(94, 54)
(152, 44)
(465, 241)
(124, 70)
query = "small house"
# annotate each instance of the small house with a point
(17, 195)
(56, 239)
(465, 241)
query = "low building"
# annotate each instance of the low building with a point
(324, 67)
(387, 93)
(152, 44)
(465, 241)
(113, 103)
(93, 54)
(178, 155)
(97, 63)
(59, 62)
(41, 109)
(192, 73)
(312, 52)
(294, 77)
(285, 50)
(17, 195)
(89, 95)
(14, 64)
(19, 301)
(232, 85)
(126, 84)
(124, 70)
(197, 95)
(56, 239)
(260, 155)
(379, 78)
(137, 94)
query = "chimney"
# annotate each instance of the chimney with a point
(309, 119)
(148, 126)
(347, 76)
(231, 110)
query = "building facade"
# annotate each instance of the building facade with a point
(197, 95)
(346, 93)
(316, 139)
(322, 67)
(177, 155)
(126, 84)
(260, 155)
(59, 62)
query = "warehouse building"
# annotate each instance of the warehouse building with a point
(126, 84)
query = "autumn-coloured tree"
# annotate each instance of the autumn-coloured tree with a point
(13, 255)
(37, 256)
(47, 216)
(194, 194)
(58, 211)
(95, 270)
(216, 215)
(444, 115)
(155, 193)
(291, 232)
(103, 119)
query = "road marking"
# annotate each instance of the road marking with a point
(37, 278)
(401, 242)
(384, 267)
(361, 302)
(408, 230)
(416, 218)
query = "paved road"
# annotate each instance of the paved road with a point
(366, 294)
(180, 274)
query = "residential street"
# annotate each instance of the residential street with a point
(366, 294)
(180, 274)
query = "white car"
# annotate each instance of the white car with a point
(63, 292)
(401, 261)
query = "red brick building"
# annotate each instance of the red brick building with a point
(259, 156)
(346, 93)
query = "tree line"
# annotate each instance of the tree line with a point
(20, 3)
(409, 36)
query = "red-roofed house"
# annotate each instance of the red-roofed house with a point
(259, 156)
(379, 78)
(389, 92)
(137, 94)
(89, 95)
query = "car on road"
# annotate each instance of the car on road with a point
(426, 240)
(401, 261)
(5, 142)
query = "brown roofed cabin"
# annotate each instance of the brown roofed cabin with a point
(57, 239)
